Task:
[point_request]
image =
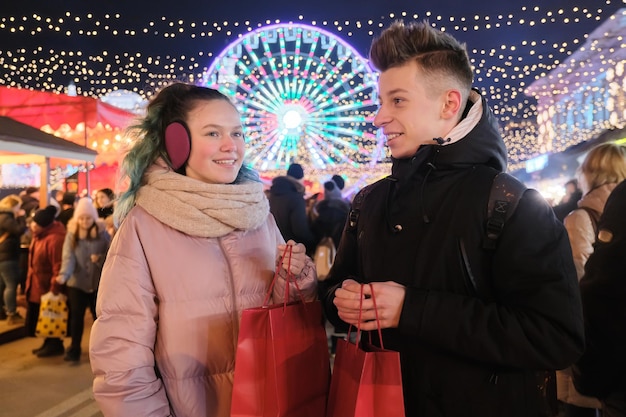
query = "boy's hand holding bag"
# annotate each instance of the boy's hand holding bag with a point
(282, 366)
(367, 379)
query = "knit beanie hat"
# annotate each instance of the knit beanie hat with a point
(85, 207)
(295, 171)
(45, 217)
(339, 181)
(331, 191)
(69, 198)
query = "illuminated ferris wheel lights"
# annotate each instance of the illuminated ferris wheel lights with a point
(292, 119)
(304, 95)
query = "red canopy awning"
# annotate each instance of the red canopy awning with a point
(39, 108)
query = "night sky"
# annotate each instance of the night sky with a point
(142, 45)
(138, 14)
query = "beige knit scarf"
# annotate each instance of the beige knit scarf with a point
(200, 209)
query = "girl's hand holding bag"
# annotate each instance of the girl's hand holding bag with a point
(282, 365)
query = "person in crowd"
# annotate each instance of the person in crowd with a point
(328, 219)
(601, 371)
(341, 183)
(196, 245)
(109, 224)
(67, 208)
(104, 202)
(30, 200)
(287, 204)
(30, 204)
(602, 169)
(569, 202)
(473, 325)
(84, 251)
(25, 241)
(338, 179)
(600, 172)
(329, 214)
(45, 254)
(12, 226)
(57, 195)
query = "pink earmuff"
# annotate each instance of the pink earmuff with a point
(177, 143)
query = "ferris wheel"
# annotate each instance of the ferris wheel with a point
(305, 96)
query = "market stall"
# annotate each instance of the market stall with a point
(85, 121)
(24, 144)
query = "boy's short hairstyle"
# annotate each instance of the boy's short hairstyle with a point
(435, 52)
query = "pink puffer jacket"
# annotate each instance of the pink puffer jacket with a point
(168, 309)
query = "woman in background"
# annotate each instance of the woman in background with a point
(602, 169)
(104, 201)
(84, 251)
(12, 226)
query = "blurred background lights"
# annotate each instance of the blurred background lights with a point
(292, 119)
(552, 70)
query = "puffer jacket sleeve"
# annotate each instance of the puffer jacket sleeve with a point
(68, 262)
(536, 321)
(581, 237)
(124, 335)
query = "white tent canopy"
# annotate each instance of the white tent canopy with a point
(24, 144)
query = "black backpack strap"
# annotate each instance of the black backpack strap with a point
(505, 193)
(357, 203)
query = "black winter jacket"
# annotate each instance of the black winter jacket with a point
(14, 227)
(286, 197)
(331, 215)
(476, 324)
(601, 371)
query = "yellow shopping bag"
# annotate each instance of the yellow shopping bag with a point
(53, 314)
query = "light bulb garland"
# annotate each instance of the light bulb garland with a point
(51, 55)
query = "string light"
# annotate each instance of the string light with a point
(534, 121)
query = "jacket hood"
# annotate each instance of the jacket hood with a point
(482, 145)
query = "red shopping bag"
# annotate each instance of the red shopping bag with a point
(366, 380)
(282, 364)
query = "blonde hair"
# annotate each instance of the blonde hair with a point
(9, 202)
(604, 164)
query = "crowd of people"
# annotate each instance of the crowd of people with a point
(308, 219)
(58, 247)
(482, 323)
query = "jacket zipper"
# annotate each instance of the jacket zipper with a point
(470, 282)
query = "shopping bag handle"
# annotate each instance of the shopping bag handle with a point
(288, 279)
(358, 327)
